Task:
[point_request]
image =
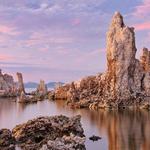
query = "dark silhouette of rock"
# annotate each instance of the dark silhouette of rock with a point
(94, 138)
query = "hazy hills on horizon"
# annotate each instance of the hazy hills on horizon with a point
(35, 84)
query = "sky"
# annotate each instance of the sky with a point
(64, 40)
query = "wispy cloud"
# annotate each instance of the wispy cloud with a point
(7, 30)
(66, 35)
(4, 57)
(142, 10)
(142, 26)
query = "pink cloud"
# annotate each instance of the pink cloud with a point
(43, 38)
(8, 30)
(142, 26)
(43, 50)
(4, 57)
(143, 9)
(76, 22)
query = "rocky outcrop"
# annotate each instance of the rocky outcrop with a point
(61, 92)
(8, 87)
(42, 88)
(121, 62)
(20, 83)
(6, 140)
(24, 98)
(145, 60)
(47, 133)
(40, 94)
(126, 80)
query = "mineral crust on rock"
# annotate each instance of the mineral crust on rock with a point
(50, 133)
(6, 140)
(126, 82)
(8, 87)
(40, 94)
(42, 88)
(20, 83)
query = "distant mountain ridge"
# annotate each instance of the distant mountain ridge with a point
(34, 84)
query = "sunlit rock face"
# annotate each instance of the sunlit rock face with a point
(126, 80)
(61, 92)
(123, 68)
(7, 85)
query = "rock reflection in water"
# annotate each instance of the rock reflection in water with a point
(120, 130)
(125, 130)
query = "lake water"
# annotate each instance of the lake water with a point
(120, 130)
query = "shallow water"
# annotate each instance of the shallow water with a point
(120, 130)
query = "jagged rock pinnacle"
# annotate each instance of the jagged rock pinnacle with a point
(126, 80)
(117, 20)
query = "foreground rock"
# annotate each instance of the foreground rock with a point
(126, 82)
(6, 140)
(53, 133)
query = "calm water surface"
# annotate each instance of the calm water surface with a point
(123, 130)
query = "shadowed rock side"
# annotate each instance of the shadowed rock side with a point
(8, 87)
(46, 133)
(126, 80)
(20, 83)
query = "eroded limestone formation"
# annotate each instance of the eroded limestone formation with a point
(145, 60)
(42, 87)
(126, 81)
(6, 140)
(50, 133)
(40, 94)
(8, 87)
(20, 83)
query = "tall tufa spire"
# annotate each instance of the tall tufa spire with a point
(117, 20)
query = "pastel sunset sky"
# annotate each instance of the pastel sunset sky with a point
(64, 40)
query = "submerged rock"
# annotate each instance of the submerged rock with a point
(58, 133)
(94, 138)
(126, 81)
